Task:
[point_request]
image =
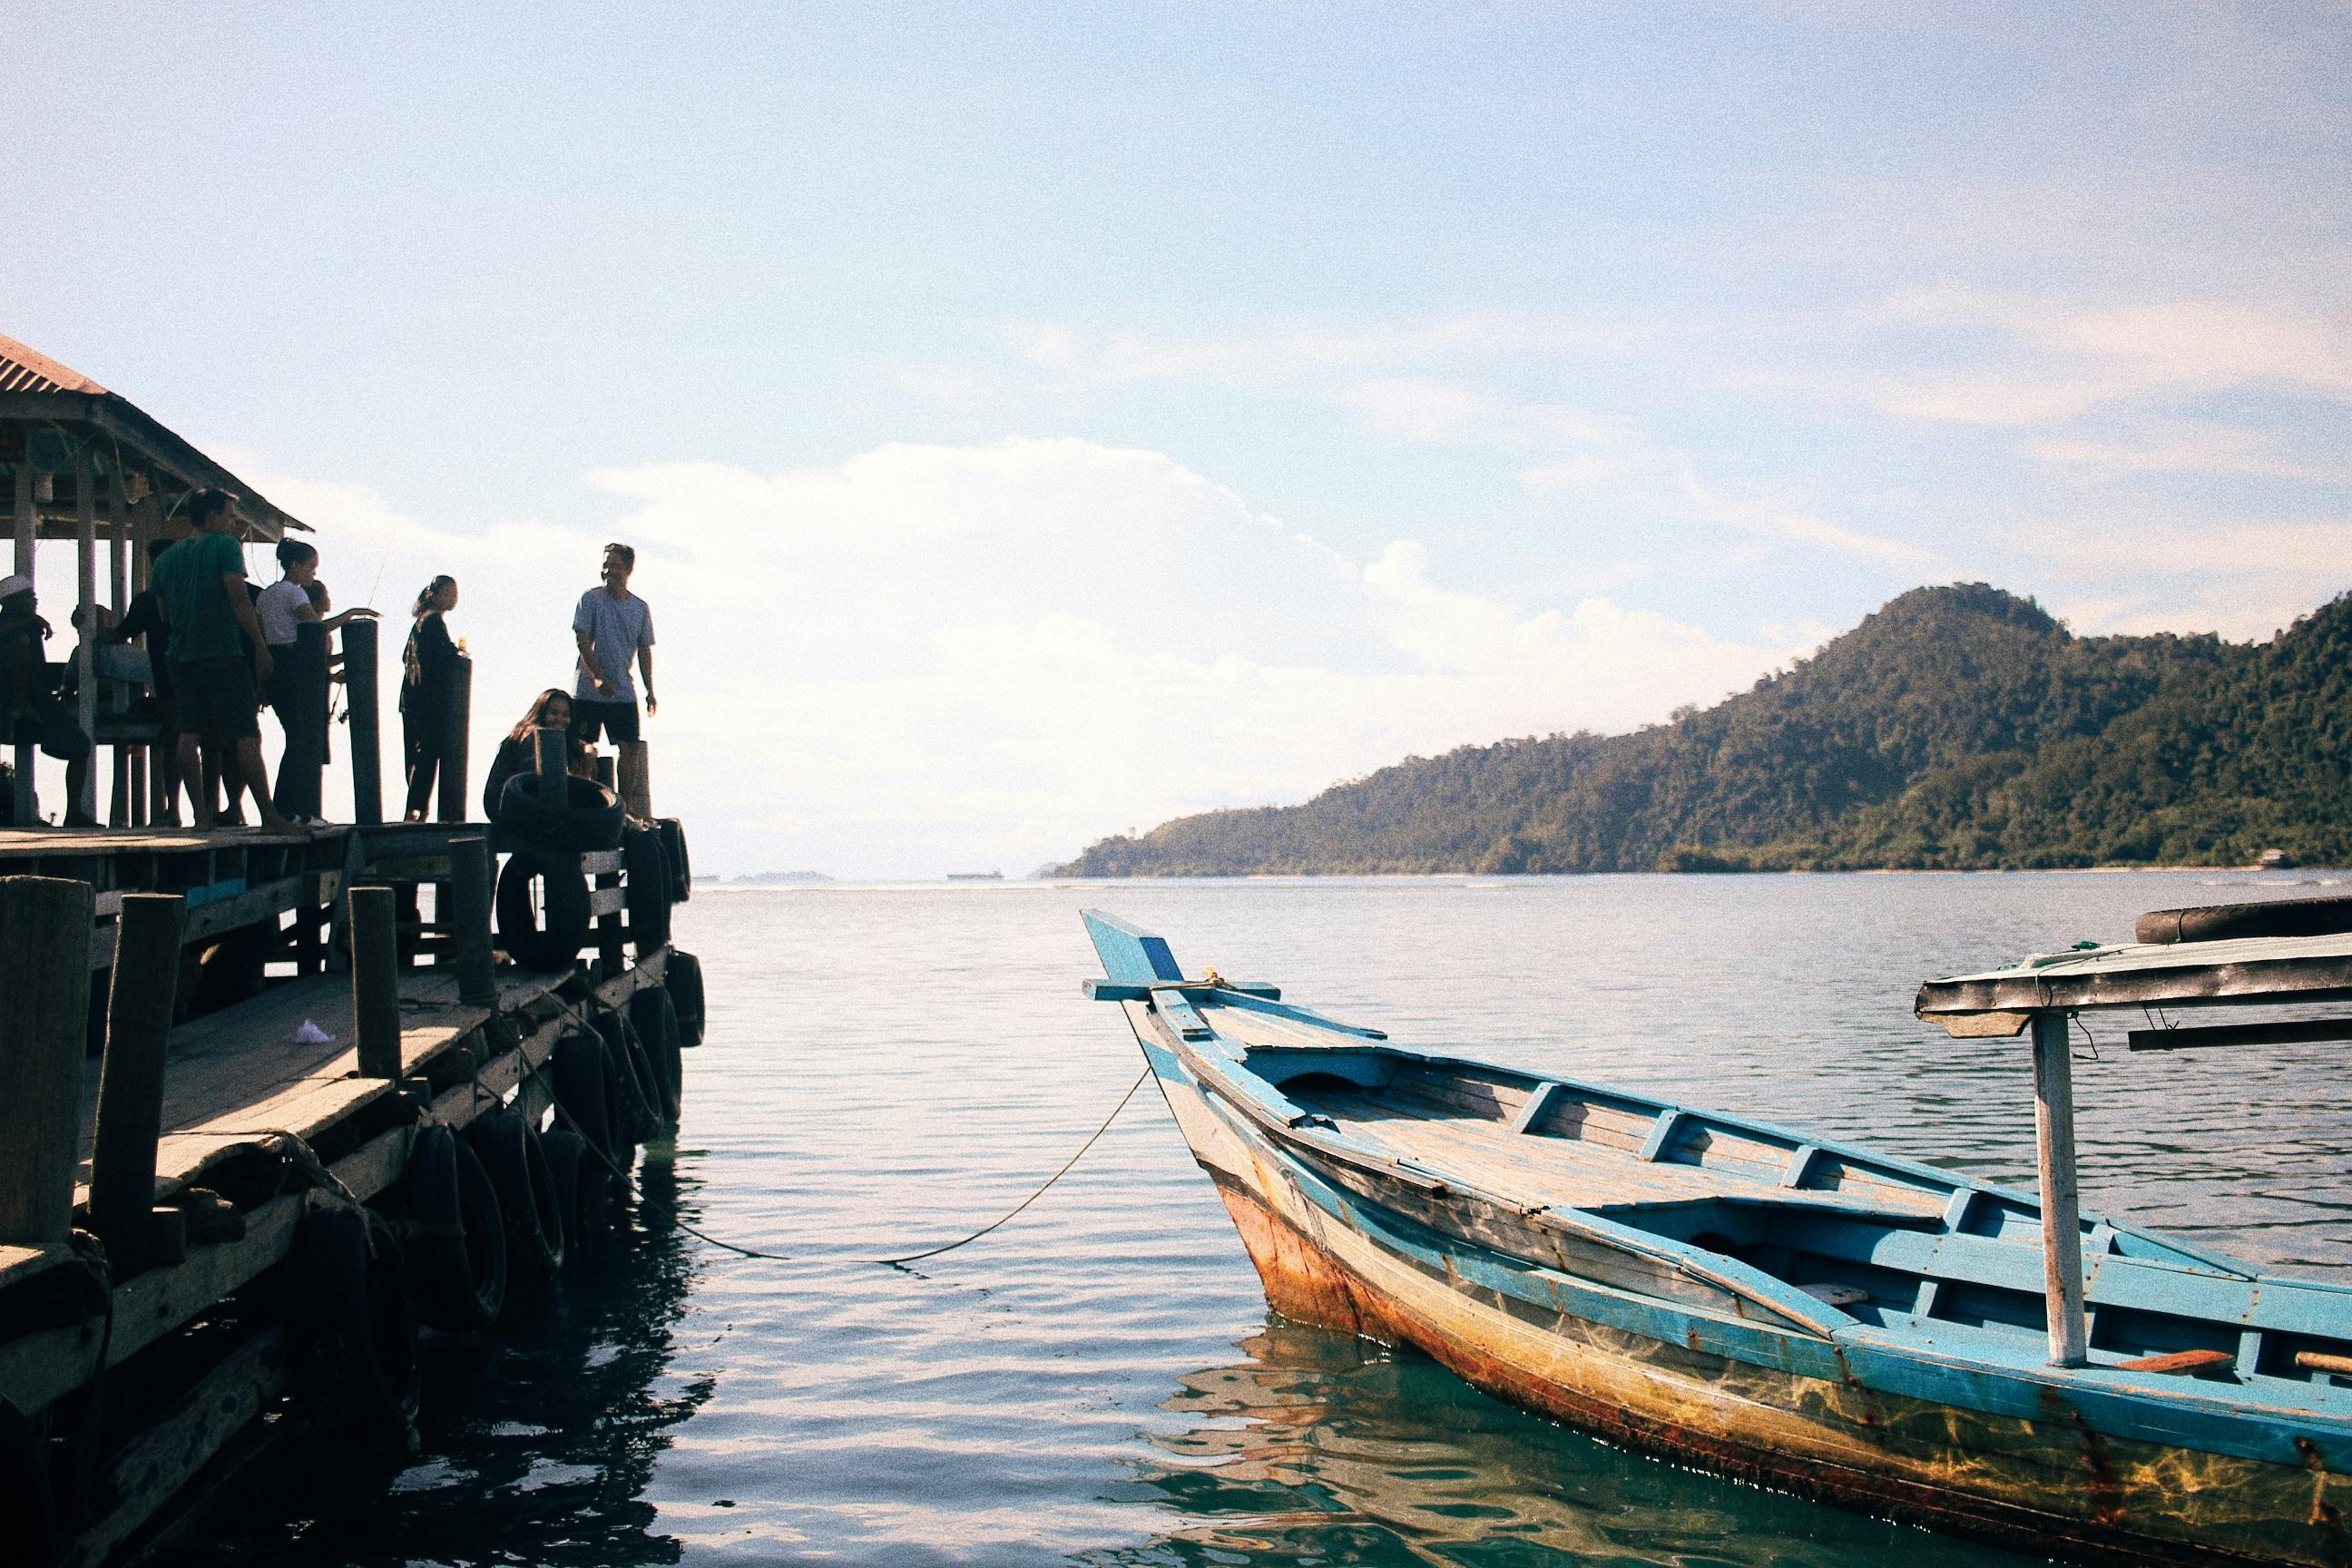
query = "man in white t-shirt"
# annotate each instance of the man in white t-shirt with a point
(613, 629)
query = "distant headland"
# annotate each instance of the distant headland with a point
(1957, 728)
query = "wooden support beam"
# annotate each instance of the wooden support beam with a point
(86, 607)
(362, 695)
(457, 720)
(2061, 1205)
(44, 931)
(138, 1002)
(469, 889)
(26, 807)
(375, 981)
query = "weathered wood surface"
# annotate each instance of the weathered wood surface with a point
(45, 930)
(1344, 1189)
(2252, 969)
(232, 1078)
(38, 1368)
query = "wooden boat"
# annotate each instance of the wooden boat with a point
(1793, 1310)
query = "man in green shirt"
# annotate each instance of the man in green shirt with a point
(217, 654)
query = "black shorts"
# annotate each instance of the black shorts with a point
(619, 720)
(214, 698)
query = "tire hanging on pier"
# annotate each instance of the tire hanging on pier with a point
(682, 978)
(457, 1241)
(546, 933)
(655, 1017)
(588, 818)
(581, 1073)
(509, 1150)
(648, 890)
(635, 1089)
(579, 1183)
(352, 1331)
(681, 864)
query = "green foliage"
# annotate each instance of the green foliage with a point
(1955, 728)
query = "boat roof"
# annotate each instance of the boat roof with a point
(2000, 1002)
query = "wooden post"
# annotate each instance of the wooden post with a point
(636, 780)
(456, 721)
(27, 804)
(117, 555)
(2062, 1206)
(148, 934)
(549, 750)
(299, 785)
(605, 775)
(469, 919)
(45, 930)
(85, 594)
(375, 981)
(367, 735)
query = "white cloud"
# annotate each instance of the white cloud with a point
(941, 657)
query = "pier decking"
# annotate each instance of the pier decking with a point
(141, 1347)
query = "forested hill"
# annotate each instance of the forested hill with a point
(1955, 728)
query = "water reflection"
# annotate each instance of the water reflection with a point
(538, 1446)
(1322, 1448)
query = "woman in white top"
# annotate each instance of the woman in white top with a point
(282, 609)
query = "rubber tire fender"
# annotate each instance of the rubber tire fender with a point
(551, 943)
(509, 1150)
(580, 1181)
(456, 1256)
(682, 978)
(352, 1337)
(647, 890)
(639, 1096)
(28, 1502)
(589, 818)
(655, 1017)
(681, 864)
(577, 1067)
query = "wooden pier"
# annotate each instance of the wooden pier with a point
(338, 995)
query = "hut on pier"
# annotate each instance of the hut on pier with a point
(88, 466)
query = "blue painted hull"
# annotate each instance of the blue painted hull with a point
(1671, 1317)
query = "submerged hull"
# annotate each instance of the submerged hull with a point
(2099, 1474)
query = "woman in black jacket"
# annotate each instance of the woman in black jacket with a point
(428, 668)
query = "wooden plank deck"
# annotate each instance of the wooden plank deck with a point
(234, 1078)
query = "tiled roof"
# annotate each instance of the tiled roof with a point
(24, 370)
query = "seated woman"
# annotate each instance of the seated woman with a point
(519, 753)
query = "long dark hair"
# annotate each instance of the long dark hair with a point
(425, 595)
(535, 716)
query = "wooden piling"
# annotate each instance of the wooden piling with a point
(367, 733)
(636, 780)
(301, 774)
(469, 918)
(139, 1005)
(375, 981)
(548, 755)
(2062, 1203)
(45, 930)
(456, 720)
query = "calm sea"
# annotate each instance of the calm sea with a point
(1101, 1382)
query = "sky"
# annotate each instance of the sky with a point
(1040, 420)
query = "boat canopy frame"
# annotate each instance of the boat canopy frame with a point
(2038, 997)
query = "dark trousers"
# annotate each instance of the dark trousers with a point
(422, 738)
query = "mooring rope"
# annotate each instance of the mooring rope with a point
(1033, 1197)
(566, 1009)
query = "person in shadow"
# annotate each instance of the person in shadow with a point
(519, 753)
(428, 671)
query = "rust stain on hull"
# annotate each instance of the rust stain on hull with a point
(1992, 1478)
